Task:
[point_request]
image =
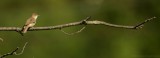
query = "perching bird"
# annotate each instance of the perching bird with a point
(29, 23)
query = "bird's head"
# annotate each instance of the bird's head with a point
(35, 15)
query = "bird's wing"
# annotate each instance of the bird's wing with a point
(29, 21)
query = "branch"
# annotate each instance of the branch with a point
(14, 52)
(74, 32)
(11, 53)
(83, 22)
(22, 49)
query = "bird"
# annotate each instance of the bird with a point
(29, 23)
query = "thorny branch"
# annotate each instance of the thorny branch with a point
(14, 51)
(83, 22)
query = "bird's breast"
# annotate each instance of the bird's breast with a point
(31, 25)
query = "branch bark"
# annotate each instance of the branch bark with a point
(83, 22)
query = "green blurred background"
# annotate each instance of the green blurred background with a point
(93, 42)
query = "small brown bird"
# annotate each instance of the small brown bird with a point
(30, 23)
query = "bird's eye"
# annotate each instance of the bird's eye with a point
(34, 22)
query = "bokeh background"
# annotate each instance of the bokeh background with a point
(95, 41)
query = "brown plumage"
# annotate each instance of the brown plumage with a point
(29, 23)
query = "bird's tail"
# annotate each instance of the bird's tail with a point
(24, 30)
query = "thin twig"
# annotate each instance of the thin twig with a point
(93, 22)
(11, 53)
(74, 32)
(14, 51)
(22, 49)
(142, 24)
(83, 22)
